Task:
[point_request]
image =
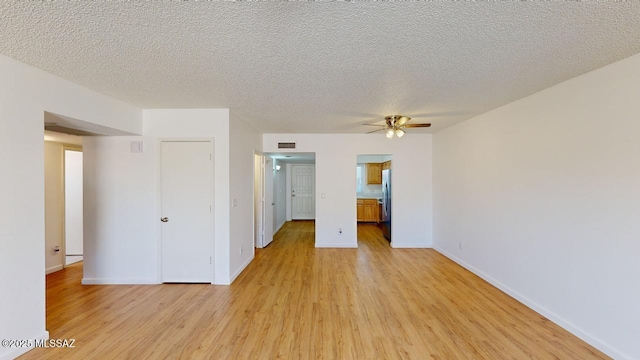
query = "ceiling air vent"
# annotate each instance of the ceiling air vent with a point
(286, 145)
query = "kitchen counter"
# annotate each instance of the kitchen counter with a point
(369, 196)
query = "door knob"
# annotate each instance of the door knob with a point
(165, 219)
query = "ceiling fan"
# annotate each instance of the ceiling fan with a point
(395, 125)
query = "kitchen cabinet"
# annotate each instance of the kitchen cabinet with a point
(368, 210)
(374, 173)
(386, 165)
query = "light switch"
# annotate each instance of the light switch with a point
(234, 203)
(322, 195)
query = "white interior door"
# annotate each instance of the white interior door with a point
(268, 201)
(303, 205)
(186, 211)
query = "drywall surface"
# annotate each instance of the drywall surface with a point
(122, 227)
(54, 207)
(73, 207)
(25, 94)
(336, 160)
(243, 143)
(120, 215)
(541, 197)
(279, 195)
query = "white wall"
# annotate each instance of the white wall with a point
(73, 203)
(122, 204)
(336, 178)
(120, 211)
(279, 196)
(243, 142)
(54, 206)
(543, 195)
(208, 123)
(25, 94)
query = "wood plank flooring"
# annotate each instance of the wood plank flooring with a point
(298, 302)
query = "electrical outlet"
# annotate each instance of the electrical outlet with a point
(340, 231)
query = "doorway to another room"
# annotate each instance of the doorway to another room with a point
(284, 190)
(373, 197)
(63, 200)
(73, 205)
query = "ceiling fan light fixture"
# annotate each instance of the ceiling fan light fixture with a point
(390, 133)
(395, 126)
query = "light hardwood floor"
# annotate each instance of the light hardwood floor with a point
(298, 302)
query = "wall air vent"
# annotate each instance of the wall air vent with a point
(286, 145)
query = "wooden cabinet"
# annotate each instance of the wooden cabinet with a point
(374, 173)
(368, 210)
(386, 165)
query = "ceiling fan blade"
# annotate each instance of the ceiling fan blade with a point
(402, 120)
(375, 131)
(417, 125)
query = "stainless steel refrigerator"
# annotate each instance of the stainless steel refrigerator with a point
(385, 224)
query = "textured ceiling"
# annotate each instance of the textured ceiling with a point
(320, 67)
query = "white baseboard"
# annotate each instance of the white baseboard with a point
(218, 281)
(119, 281)
(241, 268)
(555, 318)
(12, 353)
(278, 228)
(53, 269)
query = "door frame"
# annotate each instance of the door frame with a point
(212, 198)
(260, 204)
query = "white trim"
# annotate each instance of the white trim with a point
(13, 353)
(555, 318)
(275, 231)
(54, 269)
(219, 281)
(241, 268)
(120, 281)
